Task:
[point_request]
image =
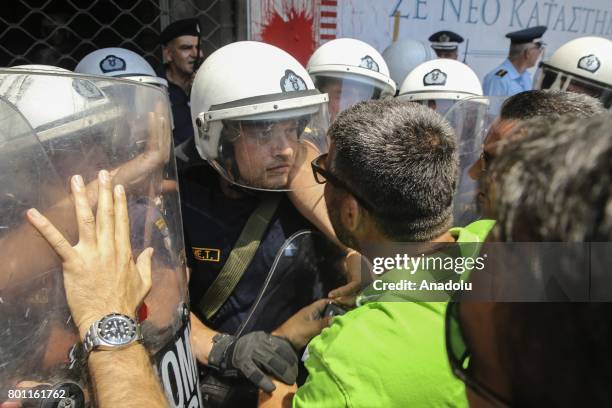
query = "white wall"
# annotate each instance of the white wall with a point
(483, 22)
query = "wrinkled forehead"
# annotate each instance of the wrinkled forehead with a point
(183, 41)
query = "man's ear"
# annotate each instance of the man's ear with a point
(351, 214)
(167, 55)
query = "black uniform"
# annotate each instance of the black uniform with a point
(181, 112)
(212, 224)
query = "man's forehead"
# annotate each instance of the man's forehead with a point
(500, 129)
(182, 40)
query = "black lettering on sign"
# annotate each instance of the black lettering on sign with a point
(178, 371)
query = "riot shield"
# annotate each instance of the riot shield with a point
(55, 125)
(471, 119)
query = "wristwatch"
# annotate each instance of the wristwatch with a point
(112, 332)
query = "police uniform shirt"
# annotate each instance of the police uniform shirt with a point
(181, 112)
(505, 80)
(212, 224)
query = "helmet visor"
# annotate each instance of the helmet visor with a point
(550, 78)
(346, 92)
(271, 153)
(471, 119)
(442, 106)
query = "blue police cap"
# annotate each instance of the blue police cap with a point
(187, 26)
(527, 35)
(445, 40)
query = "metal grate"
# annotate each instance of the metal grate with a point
(61, 32)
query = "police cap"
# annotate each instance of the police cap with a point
(445, 40)
(187, 26)
(527, 35)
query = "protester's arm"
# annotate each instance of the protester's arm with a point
(282, 397)
(307, 195)
(305, 324)
(100, 277)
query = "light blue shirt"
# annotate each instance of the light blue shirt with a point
(506, 81)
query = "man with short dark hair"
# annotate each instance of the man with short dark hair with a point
(181, 48)
(531, 104)
(389, 177)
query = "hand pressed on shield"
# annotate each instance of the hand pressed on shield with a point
(100, 276)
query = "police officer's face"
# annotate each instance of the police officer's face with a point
(344, 94)
(182, 53)
(448, 54)
(265, 153)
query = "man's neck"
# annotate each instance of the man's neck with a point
(178, 78)
(520, 65)
(372, 248)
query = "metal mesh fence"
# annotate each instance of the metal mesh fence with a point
(61, 32)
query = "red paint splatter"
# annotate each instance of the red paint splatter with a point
(296, 35)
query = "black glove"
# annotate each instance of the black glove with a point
(255, 355)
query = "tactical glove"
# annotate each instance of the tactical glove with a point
(255, 356)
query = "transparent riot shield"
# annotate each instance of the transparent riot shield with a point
(55, 125)
(471, 120)
(306, 267)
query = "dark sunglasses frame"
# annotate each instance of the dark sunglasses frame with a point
(322, 175)
(457, 363)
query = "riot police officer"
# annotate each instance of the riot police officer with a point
(582, 65)
(349, 71)
(250, 252)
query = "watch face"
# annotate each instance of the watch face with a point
(117, 329)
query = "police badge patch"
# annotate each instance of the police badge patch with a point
(589, 63)
(112, 63)
(292, 82)
(369, 63)
(434, 78)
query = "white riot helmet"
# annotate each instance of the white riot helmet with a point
(403, 56)
(119, 62)
(440, 83)
(350, 71)
(583, 65)
(258, 122)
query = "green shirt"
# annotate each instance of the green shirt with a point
(386, 354)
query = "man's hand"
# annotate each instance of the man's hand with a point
(355, 269)
(305, 324)
(100, 276)
(255, 355)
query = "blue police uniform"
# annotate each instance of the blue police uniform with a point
(212, 224)
(505, 80)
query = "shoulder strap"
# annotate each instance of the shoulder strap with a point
(240, 257)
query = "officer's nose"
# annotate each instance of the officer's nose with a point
(282, 146)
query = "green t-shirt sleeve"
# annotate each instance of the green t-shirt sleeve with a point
(320, 389)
